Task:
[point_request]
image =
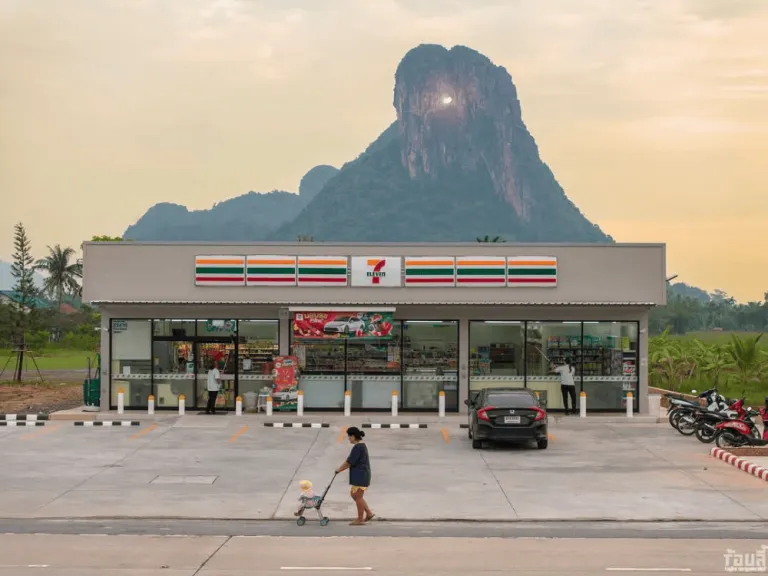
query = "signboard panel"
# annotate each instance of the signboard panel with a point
(336, 325)
(377, 271)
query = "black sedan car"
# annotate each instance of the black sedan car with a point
(507, 414)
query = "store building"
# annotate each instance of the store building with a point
(373, 318)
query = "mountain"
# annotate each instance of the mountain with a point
(458, 163)
(249, 217)
(686, 291)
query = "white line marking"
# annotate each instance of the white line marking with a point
(375, 425)
(648, 569)
(326, 568)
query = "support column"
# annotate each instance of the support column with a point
(284, 333)
(642, 369)
(463, 364)
(106, 361)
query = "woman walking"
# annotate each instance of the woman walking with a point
(359, 466)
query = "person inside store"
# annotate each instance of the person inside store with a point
(359, 466)
(567, 384)
(214, 385)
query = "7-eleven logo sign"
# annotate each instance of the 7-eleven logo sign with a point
(377, 272)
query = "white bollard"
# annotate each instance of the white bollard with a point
(182, 404)
(441, 404)
(347, 403)
(300, 403)
(394, 402)
(269, 405)
(238, 406)
(630, 404)
(120, 401)
(583, 405)
(151, 405)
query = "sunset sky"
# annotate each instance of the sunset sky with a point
(653, 114)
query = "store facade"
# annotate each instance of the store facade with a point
(328, 318)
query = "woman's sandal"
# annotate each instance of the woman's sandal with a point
(369, 518)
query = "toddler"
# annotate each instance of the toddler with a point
(307, 497)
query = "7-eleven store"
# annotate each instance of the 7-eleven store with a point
(372, 318)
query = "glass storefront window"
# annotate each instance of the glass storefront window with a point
(257, 348)
(321, 373)
(221, 356)
(174, 328)
(174, 373)
(496, 355)
(548, 344)
(131, 360)
(610, 363)
(373, 370)
(430, 360)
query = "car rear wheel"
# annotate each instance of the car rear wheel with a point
(542, 444)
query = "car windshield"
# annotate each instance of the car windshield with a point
(510, 400)
(343, 319)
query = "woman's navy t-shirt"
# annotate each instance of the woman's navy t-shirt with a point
(359, 466)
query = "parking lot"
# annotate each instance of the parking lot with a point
(230, 467)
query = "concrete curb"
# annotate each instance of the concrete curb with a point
(22, 417)
(740, 463)
(395, 426)
(108, 423)
(22, 423)
(297, 424)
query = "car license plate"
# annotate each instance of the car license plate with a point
(511, 419)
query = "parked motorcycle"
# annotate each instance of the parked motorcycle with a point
(706, 421)
(679, 406)
(684, 418)
(737, 433)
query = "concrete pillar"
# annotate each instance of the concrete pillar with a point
(463, 364)
(642, 369)
(284, 332)
(106, 361)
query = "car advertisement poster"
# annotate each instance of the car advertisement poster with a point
(285, 383)
(336, 325)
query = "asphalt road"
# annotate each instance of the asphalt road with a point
(588, 530)
(59, 555)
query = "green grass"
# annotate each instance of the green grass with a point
(754, 392)
(711, 337)
(52, 359)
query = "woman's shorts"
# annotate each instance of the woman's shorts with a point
(354, 489)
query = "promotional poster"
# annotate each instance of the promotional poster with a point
(335, 325)
(285, 379)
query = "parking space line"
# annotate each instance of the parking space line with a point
(239, 433)
(41, 432)
(340, 439)
(446, 435)
(147, 430)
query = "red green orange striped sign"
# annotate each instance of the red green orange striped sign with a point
(271, 270)
(481, 271)
(531, 271)
(220, 271)
(430, 271)
(323, 270)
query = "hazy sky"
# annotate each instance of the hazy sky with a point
(653, 114)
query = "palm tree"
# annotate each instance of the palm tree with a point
(487, 238)
(63, 275)
(746, 357)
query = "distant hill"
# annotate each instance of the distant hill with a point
(249, 217)
(7, 281)
(686, 291)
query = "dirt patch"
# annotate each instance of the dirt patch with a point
(750, 451)
(39, 398)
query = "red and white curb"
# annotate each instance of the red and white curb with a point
(740, 463)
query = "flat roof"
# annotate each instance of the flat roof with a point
(393, 244)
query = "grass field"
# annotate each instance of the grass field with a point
(52, 360)
(711, 337)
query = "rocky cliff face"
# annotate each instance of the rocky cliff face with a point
(455, 108)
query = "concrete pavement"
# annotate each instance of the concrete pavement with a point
(225, 467)
(22, 555)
